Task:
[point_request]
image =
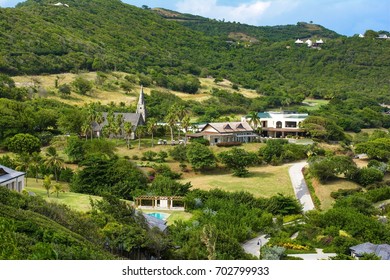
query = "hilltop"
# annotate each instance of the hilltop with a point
(245, 32)
(168, 47)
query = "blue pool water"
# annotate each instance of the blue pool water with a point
(158, 215)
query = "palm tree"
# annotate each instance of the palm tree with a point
(151, 126)
(186, 123)
(119, 122)
(128, 130)
(85, 129)
(99, 120)
(140, 131)
(254, 120)
(23, 163)
(91, 116)
(181, 112)
(36, 163)
(111, 123)
(171, 120)
(54, 161)
(57, 189)
(47, 184)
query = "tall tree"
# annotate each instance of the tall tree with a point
(186, 123)
(151, 126)
(140, 131)
(91, 116)
(181, 112)
(171, 120)
(99, 120)
(254, 120)
(23, 163)
(128, 130)
(35, 164)
(54, 161)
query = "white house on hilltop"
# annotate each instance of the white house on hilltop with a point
(281, 124)
(298, 41)
(11, 179)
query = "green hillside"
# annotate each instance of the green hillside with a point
(41, 38)
(31, 228)
(236, 30)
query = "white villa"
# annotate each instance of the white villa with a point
(281, 124)
(11, 179)
(226, 132)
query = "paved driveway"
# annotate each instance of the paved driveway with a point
(300, 187)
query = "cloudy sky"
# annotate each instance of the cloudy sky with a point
(346, 17)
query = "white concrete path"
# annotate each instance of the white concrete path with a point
(252, 246)
(320, 255)
(300, 188)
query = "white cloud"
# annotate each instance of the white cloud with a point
(250, 13)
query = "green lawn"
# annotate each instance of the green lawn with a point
(323, 191)
(76, 201)
(314, 104)
(263, 181)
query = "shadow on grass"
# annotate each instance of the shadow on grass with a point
(256, 174)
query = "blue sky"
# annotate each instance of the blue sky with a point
(347, 17)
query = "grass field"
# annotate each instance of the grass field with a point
(76, 201)
(263, 181)
(116, 94)
(323, 191)
(207, 84)
(314, 104)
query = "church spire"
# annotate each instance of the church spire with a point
(141, 108)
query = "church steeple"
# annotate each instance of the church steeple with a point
(141, 108)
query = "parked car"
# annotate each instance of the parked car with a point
(161, 142)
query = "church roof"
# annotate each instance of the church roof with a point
(134, 118)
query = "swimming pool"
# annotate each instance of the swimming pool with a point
(158, 215)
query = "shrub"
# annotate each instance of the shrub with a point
(179, 153)
(24, 143)
(166, 171)
(367, 176)
(66, 175)
(202, 141)
(149, 155)
(229, 144)
(343, 193)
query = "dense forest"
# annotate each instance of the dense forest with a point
(40, 38)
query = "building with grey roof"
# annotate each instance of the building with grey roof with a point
(226, 132)
(381, 250)
(136, 119)
(11, 179)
